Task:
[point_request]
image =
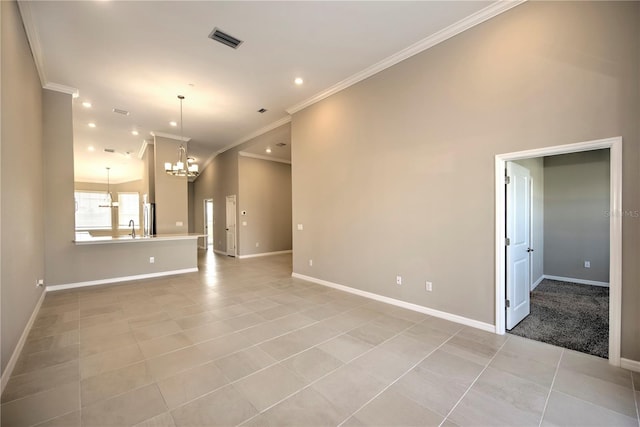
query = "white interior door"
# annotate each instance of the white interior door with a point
(518, 249)
(231, 225)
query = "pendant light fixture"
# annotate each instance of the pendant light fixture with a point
(108, 200)
(184, 166)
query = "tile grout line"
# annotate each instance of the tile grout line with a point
(292, 356)
(553, 381)
(400, 377)
(333, 370)
(156, 380)
(474, 381)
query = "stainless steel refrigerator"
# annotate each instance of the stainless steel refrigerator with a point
(149, 219)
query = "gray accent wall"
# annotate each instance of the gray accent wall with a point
(576, 207)
(395, 175)
(21, 212)
(536, 169)
(265, 196)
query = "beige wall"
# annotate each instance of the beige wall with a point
(265, 196)
(536, 170)
(21, 213)
(576, 225)
(191, 207)
(171, 194)
(395, 175)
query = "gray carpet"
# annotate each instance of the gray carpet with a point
(568, 315)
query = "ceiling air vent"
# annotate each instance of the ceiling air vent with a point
(119, 111)
(224, 38)
(280, 144)
(109, 150)
(262, 110)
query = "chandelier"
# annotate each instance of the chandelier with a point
(108, 200)
(184, 166)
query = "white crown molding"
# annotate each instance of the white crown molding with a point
(170, 136)
(479, 17)
(62, 88)
(246, 138)
(261, 157)
(36, 50)
(143, 148)
(34, 39)
(256, 133)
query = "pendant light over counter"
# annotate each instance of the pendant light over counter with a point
(184, 166)
(108, 200)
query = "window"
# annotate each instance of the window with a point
(90, 211)
(128, 209)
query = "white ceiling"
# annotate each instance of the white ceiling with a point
(139, 55)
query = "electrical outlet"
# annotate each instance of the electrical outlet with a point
(428, 286)
(257, 244)
(179, 223)
(398, 280)
(587, 264)
(300, 227)
(152, 260)
(310, 263)
(39, 283)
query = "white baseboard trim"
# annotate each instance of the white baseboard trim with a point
(403, 304)
(265, 254)
(23, 339)
(537, 282)
(580, 281)
(219, 252)
(120, 279)
(632, 365)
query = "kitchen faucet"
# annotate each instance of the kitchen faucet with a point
(133, 228)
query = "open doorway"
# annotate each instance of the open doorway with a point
(558, 254)
(208, 224)
(516, 244)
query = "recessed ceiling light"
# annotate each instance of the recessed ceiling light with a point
(174, 124)
(134, 132)
(86, 104)
(90, 148)
(92, 125)
(268, 150)
(298, 81)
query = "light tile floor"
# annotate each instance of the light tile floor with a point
(242, 343)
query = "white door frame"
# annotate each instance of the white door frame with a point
(205, 226)
(615, 231)
(235, 231)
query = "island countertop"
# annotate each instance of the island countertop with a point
(88, 239)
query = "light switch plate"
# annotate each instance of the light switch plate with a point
(300, 226)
